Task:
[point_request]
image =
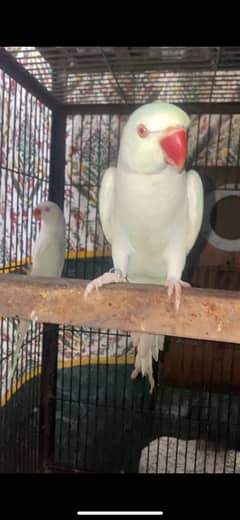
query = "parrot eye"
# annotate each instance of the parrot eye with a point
(47, 209)
(142, 131)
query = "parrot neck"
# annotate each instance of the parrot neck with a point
(55, 228)
(140, 190)
(166, 171)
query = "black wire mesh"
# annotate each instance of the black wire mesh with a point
(88, 358)
(105, 422)
(134, 74)
(201, 434)
(25, 126)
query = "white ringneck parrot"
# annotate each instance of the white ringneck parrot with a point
(151, 211)
(47, 260)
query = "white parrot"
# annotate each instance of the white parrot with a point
(151, 211)
(47, 260)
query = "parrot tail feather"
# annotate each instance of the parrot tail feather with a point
(148, 347)
(21, 333)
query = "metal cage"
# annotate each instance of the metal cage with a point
(73, 406)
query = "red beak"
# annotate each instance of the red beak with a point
(37, 214)
(174, 145)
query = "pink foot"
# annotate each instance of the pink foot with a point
(105, 279)
(175, 287)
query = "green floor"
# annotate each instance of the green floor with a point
(104, 420)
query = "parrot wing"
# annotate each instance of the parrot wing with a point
(48, 258)
(195, 206)
(22, 331)
(106, 202)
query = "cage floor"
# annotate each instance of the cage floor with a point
(172, 455)
(107, 423)
(19, 430)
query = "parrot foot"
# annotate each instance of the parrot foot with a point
(113, 276)
(175, 287)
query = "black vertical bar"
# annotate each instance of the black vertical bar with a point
(85, 265)
(57, 164)
(79, 398)
(48, 380)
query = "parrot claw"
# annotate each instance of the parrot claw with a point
(175, 286)
(113, 276)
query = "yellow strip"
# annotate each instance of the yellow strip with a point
(18, 384)
(68, 256)
(93, 360)
(87, 254)
(13, 265)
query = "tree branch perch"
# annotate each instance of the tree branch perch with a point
(204, 313)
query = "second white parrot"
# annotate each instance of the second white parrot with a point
(47, 260)
(151, 211)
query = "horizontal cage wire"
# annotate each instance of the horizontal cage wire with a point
(95, 418)
(119, 75)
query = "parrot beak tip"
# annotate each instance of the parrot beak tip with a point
(174, 145)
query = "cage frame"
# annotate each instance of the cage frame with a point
(60, 112)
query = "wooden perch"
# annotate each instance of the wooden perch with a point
(204, 313)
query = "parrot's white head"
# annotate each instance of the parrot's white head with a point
(154, 137)
(50, 214)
